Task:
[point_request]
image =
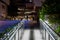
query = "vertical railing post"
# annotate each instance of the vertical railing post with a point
(15, 37)
(18, 34)
(45, 34)
(49, 37)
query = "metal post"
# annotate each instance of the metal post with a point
(45, 34)
(14, 37)
(18, 34)
(49, 37)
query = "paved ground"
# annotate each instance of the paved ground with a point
(32, 35)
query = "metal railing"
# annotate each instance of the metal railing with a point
(14, 34)
(47, 32)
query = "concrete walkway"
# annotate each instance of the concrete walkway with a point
(32, 35)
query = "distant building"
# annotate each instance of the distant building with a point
(3, 8)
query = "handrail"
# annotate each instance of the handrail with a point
(49, 30)
(12, 32)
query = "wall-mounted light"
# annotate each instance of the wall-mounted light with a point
(20, 9)
(27, 12)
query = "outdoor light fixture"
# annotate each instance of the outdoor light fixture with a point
(28, 12)
(18, 12)
(20, 9)
(33, 11)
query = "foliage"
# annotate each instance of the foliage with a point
(54, 18)
(58, 29)
(54, 6)
(51, 8)
(42, 14)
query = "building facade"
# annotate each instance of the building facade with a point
(3, 9)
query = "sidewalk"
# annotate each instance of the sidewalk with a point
(32, 35)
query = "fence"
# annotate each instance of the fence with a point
(47, 32)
